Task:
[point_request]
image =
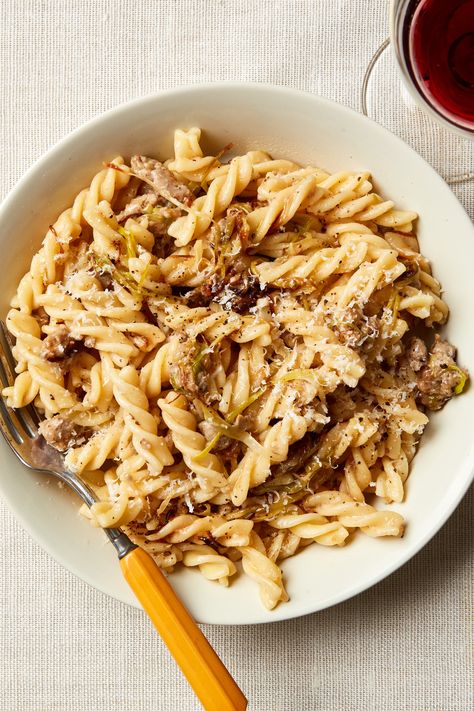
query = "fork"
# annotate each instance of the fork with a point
(207, 675)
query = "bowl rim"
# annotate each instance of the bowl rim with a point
(57, 148)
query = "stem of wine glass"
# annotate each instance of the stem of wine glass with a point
(368, 72)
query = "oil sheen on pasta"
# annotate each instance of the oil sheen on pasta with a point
(226, 351)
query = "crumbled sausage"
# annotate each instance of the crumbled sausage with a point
(439, 378)
(189, 373)
(236, 291)
(416, 354)
(61, 433)
(59, 344)
(138, 205)
(164, 181)
(354, 328)
(183, 378)
(41, 316)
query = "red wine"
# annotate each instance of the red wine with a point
(440, 41)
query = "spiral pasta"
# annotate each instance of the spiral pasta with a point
(226, 350)
(219, 195)
(140, 421)
(312, 526)
(258, 566)
(182, 425)
(189, 160)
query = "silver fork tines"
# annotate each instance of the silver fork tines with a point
(27, 416)
(18, 422)
(19, 427)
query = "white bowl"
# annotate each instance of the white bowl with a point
(307, 129)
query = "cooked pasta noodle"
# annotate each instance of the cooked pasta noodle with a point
(227, 351)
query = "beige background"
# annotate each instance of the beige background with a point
(405, 645)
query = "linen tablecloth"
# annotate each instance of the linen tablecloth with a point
(405, 645)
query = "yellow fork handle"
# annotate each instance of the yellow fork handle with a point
(212, 683)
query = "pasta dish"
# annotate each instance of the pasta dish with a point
(237, 354)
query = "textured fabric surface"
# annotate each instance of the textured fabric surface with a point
(405, 645)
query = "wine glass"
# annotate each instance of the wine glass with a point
(423, 90)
